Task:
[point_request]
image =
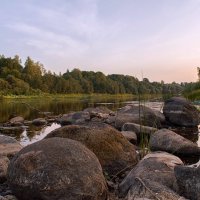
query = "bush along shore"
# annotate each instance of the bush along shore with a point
(97, 154)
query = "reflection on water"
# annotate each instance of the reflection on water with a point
(30, 108)
(31, 135)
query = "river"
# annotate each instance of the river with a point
(31, 109)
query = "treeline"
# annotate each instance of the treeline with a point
(32, 78)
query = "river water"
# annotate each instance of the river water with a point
(32, 108)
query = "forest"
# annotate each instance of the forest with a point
(31, 78)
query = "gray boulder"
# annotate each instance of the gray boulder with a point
(188, 180)
(56, 168)
(4, 161)
(114, 151)
(39, 122)
(130, 136)
(9, 146)
(169, 141)
(74, 118)
(101, 114)
(139, 115)
(8, 197)
(138, 129)
(181, 112)
(17, 119)
(152, 178)
(99, 109)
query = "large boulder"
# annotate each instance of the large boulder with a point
(139, 115)
(169, 141)
(152, 178)
(181, 112)
(188, 180)
(9, 146)
(56, 168)
(4, 161)
(113, 150)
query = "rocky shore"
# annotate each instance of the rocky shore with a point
(132, 154)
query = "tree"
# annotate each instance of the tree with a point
(198, 70)
(18, 86)
(10, 66)
(33, 73)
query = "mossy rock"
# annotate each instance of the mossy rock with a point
(113, 150)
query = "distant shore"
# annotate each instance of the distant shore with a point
(93, 95)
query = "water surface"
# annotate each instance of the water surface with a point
(32, 108)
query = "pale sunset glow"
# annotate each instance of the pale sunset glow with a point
(156, 39)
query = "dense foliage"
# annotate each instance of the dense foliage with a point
(192, 90)
(32, 78)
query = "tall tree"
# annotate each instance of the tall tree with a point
(33, 73)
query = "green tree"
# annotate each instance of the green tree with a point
(33, 73)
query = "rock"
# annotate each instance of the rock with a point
(39, 122)
(114, 152)
(56, 168)
(9, 146)
(139, 115)
(138, 129)
(16, 120)
(74, 118)
(5, 190)
(130, 136)
(166, 140)
(8, 197)
(103, 118)
(152, 178)
(51, 120)
(99, 109)
(27, 123)
(46, 114)
(16, 130)
(17, 124)
(110, 120)
(181, 112)
(188, 180)
(4, 161)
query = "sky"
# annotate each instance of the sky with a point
(156, 39)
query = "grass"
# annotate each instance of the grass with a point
(194, 95)
(81, 96)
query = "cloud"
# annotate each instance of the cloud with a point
(112, 36)
(47, 41)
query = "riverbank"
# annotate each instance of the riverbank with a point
(80, 96)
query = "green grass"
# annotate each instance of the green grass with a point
(81, 96)
(194, 95)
